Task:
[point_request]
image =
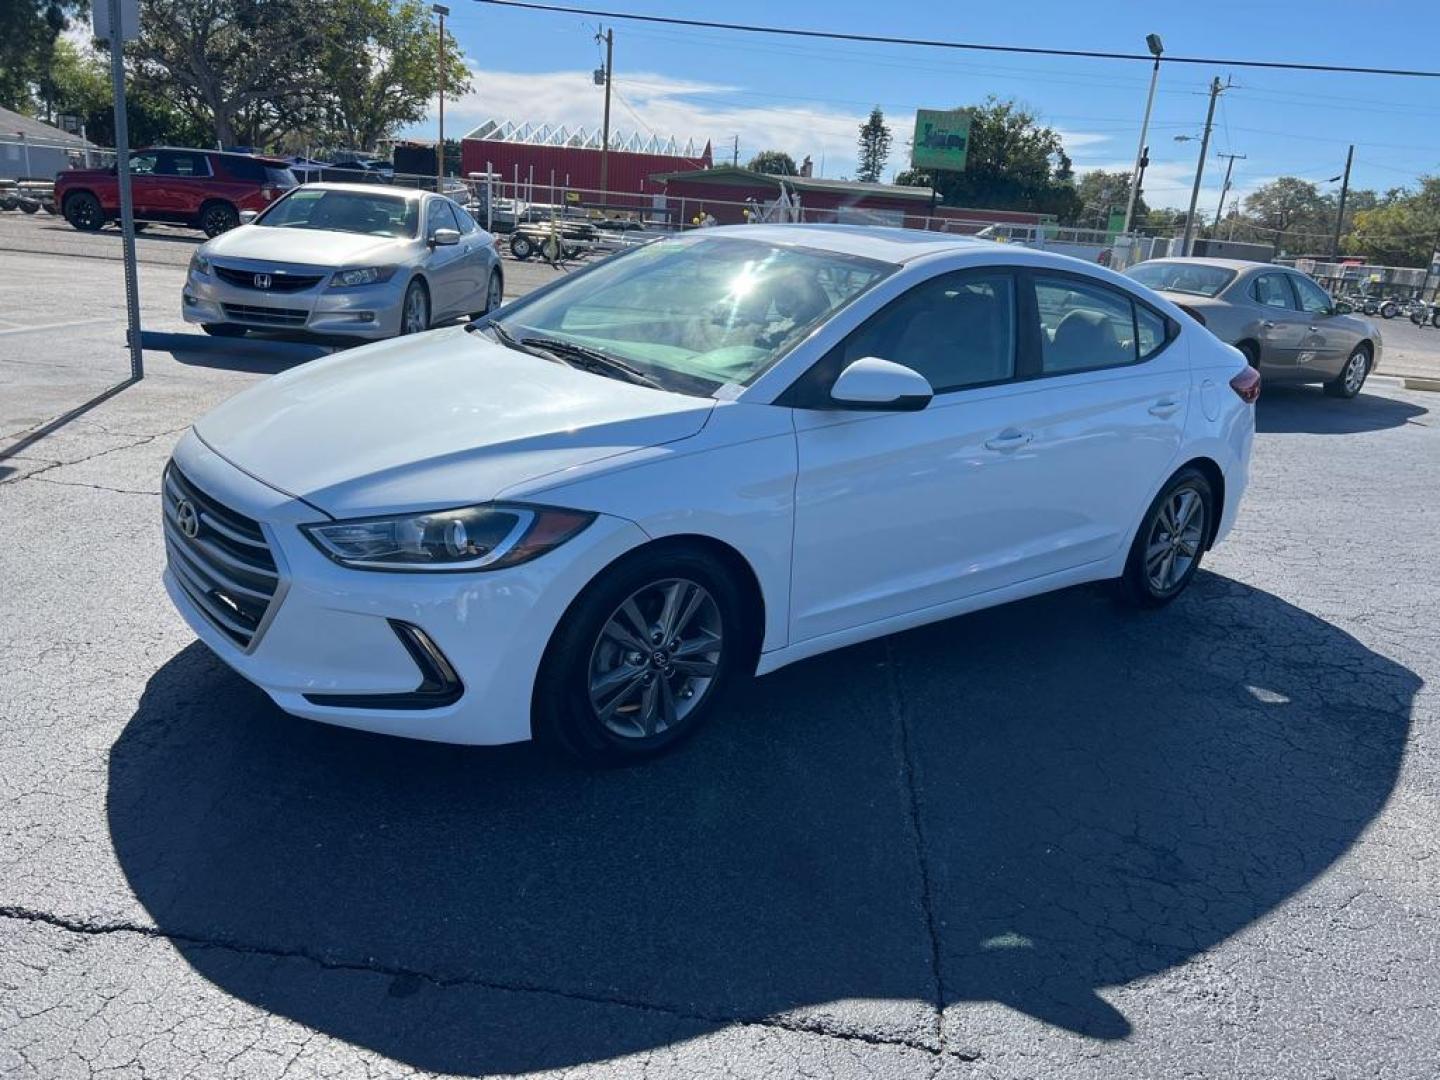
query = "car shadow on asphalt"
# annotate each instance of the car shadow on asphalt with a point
(260, 355)
(1027, 806)
(1294, 410)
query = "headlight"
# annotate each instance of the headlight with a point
(486, 537)
(361, 275)
(199, 263)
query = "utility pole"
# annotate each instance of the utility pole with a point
(605, 128)
(1215, 89)
(1230, 160)
(442, 11)
(1340, 215)
(735, 157)
(1156, 48)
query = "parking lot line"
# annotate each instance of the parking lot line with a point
(21, 329)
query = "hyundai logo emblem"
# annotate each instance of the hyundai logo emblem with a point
(262, 281)
(188, 518)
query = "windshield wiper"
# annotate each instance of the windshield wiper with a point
(510, 341)
(590, 359)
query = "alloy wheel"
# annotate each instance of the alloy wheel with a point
(656, 658)
(1175, 539)
(1355, 372)
(416, 315)
(494, 293)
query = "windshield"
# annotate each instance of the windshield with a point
(1195, 279)
(344, 211)
(694, 314)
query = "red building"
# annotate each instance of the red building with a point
(541, 157)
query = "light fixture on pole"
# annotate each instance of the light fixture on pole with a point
(1156, 47)
(441, 10)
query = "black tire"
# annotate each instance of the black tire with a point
(415, 293)
(1418, 316)
(1136, 586)
(218, 217)
(1352, 376)
(83, 212)
(29, 206)
(1389, 309)
(521, 247)
(562, 714)
(494, 288)
(1252, 353)
(222, 329)
(1435, 318)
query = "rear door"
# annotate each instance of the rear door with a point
(182, 179)
(1283, 326)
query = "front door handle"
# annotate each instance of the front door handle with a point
(1009, 439)
(1268, 325)
(1165, 407)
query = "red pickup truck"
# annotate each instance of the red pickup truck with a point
(205, 189)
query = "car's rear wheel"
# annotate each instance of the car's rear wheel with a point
(83, 212)
(218, 217)
(222, 329)
(642, 658)
(1171, 541)
(415, 310)
(1352, 376)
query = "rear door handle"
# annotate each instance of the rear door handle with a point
(1165, 407)
(1009, 439)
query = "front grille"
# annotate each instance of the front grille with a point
(268, 315)
(226, 568)
(279, 282)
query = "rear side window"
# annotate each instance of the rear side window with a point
(1083, 326)
(1151, 331)
(1272, 290)
(957, 330)
(245, 169)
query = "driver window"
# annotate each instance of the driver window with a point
(437, 217)
(957, 330)
(142, 164)
(1313, 299)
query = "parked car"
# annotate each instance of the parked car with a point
(588, 515)
(348, 259)
(206, 189)
(1286, 325)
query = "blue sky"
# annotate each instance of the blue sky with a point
(808, 96)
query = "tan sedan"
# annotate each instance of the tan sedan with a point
(1285, 324)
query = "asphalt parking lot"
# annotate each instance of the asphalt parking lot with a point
(1052, 839)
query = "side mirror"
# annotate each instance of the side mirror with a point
(444, 238)
(881, 385)
(1340, 307)
(247, 216)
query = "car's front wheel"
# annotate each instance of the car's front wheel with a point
(643, 657)
(1167, 549)
(415, 310)
(1352, 376)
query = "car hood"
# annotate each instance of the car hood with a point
(441, 419)
(308, 247)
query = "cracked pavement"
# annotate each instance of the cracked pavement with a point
(1051, 839)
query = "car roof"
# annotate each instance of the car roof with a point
(1238, 265)
(368, 189)
(888, 244)
(266, 159)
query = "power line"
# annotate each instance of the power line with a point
(1029, 50)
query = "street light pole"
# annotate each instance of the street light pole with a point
(1156, 48)
(1340, 215)
(1215, 89)
(442, 11)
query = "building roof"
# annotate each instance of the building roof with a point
(37, 131)
(733, 174)
(582, 139)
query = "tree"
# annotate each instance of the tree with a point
(912, 178)
(80, 81)
(874, 146)
(379, 71)
(1402, 227)
(1100, 193)
(1290, 204)
(773, 162)
(246, 68)
(29, 30)
(1013, 163)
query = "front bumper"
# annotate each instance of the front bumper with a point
(369, 312)
(334, 646)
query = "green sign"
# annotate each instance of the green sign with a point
(942, 139)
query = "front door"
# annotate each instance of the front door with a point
(1283, 326)
(445, 265)
(1327, 342)
(145, 187)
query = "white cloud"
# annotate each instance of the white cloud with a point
(684, 108)
(1169, 183)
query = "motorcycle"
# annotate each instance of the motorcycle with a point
(1424, 313)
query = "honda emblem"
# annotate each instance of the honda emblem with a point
(262, 281)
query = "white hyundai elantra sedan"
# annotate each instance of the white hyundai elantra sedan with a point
(588, 514)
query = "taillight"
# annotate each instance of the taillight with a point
(1247, 385)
